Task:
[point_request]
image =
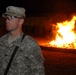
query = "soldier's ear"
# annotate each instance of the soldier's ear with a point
(21, 21)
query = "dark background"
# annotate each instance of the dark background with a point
(41, 7)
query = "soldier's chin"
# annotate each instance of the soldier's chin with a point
(8, 29)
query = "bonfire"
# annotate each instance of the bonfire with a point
(65, 35)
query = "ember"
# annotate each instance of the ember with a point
(65, 35)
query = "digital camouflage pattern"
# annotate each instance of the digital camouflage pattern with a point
(27, 61)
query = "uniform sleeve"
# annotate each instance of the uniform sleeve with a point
(37, 61)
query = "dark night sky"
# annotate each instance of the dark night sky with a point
(41, 6)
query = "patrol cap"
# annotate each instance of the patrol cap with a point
(14, 11)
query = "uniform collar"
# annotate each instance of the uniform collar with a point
(15, 42)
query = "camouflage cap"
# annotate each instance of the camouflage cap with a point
(14, 11)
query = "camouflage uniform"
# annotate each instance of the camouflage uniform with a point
(27, 61)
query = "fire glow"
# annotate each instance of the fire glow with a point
(65, 35)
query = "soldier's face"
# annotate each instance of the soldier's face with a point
(12, 23)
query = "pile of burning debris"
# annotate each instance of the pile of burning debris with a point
(65, 35)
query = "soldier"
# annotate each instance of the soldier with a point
(20, 54)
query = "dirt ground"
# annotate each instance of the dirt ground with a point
(58, 61)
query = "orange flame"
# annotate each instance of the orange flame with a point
(65, 36)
